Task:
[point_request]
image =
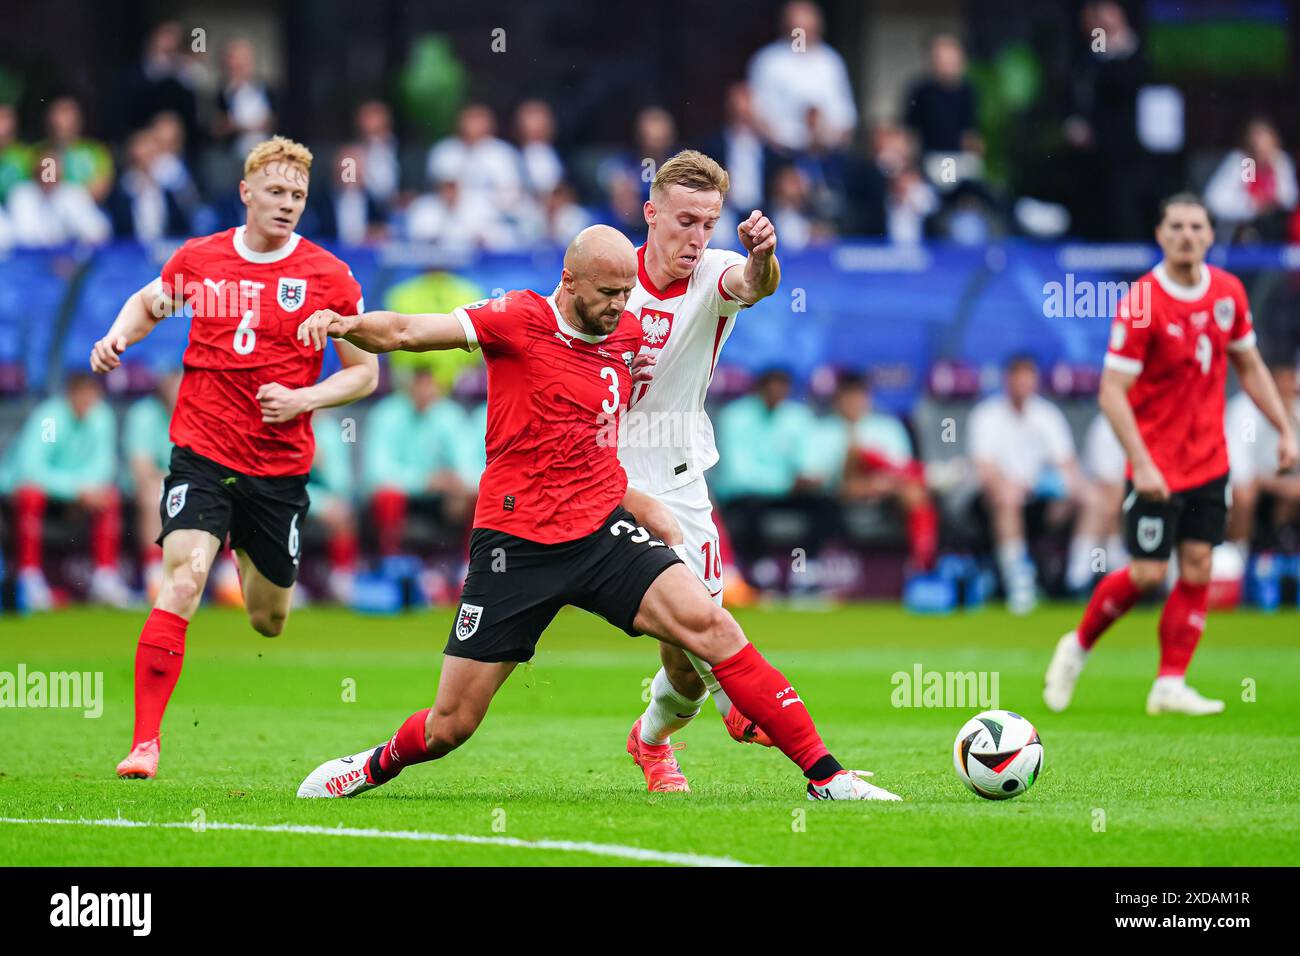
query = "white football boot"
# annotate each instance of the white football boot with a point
(1171, 695)
(36, 590)
(108, 588)
(1063, 673)
(340, 777)
(849, 785)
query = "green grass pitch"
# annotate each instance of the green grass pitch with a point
(251, 716)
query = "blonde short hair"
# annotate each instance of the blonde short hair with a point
(276, 149)
(692, 169)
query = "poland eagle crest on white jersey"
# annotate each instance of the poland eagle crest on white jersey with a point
(668, 439)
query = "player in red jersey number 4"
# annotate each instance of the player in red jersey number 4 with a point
(1163, 391)
(241, 430)
(550, 527)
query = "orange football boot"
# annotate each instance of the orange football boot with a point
(662, 774)
(141, 763)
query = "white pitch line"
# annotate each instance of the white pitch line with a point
(567, 846)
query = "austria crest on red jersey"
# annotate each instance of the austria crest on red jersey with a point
(1225, 311)
(467, 621)
(291, 294)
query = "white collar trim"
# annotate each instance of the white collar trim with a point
(568, 330)
(1176, 290)
(274, 255)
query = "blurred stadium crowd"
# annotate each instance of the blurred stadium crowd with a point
(163, 160)
(832, 458)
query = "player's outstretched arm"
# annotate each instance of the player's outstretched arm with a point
(1258, 384)
(385, 331)
(762, 272)
(135, 320)
(1113, 399)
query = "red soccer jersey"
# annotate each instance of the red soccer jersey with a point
(555, 396)
(1175, 339)
(246, 309)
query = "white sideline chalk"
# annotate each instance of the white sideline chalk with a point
(418, 836)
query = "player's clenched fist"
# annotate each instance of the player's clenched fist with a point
(281, 404)
(321, 326)
(757, 234)
(106, 355)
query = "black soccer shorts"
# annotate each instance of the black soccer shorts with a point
(515, 587)
(263, 515)
(1151, 528)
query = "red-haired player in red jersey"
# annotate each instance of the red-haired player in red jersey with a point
(242, 423)
(551, 527)
(1163, 390)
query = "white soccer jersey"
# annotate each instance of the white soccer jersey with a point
(668, 439)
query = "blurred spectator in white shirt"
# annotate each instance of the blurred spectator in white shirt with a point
(790, 209)
(351, 214)
(486, 169)
(1254, 187)
(141, 207)
(562, 216)
(1097, 545)
(909, 199)
(1023, 450)
(798, 72)
(459, 219)
(381, 160)
(46, 211)
(245, 112)
(535, 132)
(169, 166)
(1252, 457)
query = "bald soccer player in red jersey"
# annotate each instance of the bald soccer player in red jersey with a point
(551, 527)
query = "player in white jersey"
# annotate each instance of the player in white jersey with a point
(687, 297)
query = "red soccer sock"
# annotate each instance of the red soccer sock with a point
(343, 551)
(1181, 625)
(405, 748)
(762, 694)
(106, 531)
(29, 520)
(1112, 599)
(389, 509)
(923, 534)
(158, 659)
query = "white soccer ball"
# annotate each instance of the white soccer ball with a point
(998, 754)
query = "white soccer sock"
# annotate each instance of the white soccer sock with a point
(1012, 557)
(720, 698)
(667, 712)
(1079, 565)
